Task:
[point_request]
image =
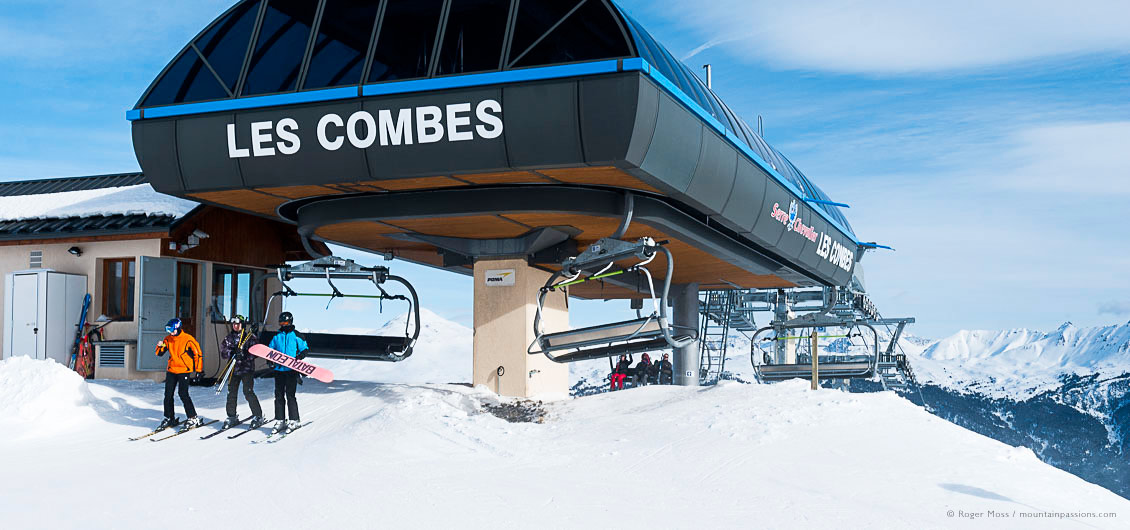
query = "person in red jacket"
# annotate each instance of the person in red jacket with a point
(621, 371)
(186, 361)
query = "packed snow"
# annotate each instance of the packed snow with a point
(415, 454)
(126, 200)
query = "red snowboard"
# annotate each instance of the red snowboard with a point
(302, 367)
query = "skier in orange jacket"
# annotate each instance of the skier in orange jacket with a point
(186, 361)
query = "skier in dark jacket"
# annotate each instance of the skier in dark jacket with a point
(640, 373)
(621, 371)
(236, 344)
(666, 371)
(286, 380)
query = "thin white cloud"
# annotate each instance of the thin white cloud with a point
(1114, 308)
(901, 36)
(1081, 159)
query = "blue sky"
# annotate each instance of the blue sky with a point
(989, 144)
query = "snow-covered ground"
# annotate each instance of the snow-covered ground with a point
(381, 455)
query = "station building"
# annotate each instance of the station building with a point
(144, 257)
(493, 138)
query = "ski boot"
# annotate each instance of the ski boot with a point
(167, 423)
(280, 426)
(291, 426)
(192, 422)
(257, 421)
(232, 421)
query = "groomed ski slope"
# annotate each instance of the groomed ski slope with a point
(426, 455)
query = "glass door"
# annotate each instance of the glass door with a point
(186, 297)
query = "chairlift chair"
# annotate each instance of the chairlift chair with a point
(346, 346)
(643, 334)
(828, 367)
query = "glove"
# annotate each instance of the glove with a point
(303, 354)
(271, 365)
(161, 348)
(195, 377)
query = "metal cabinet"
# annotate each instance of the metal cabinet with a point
(41, 313)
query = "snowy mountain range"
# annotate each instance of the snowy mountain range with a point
(1065, 394)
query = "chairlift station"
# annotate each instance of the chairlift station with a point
(528, 143)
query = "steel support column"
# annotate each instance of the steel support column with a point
(684, 304)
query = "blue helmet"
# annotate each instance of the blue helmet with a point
(173, 327)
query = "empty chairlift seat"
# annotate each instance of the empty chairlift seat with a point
(647, 333)
(393, 348)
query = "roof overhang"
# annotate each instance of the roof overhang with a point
(617, 126)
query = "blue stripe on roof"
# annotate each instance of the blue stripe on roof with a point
(394, 87)
(274, 100)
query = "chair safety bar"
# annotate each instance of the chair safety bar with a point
(647, 333)
(861, 366)
(341, 346)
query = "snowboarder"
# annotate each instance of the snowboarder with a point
(640, 378)
(286, 380)
(235, 345)
(186, 361)
(621, 371)
(666, 371)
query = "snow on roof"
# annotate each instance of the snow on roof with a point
(140, 199)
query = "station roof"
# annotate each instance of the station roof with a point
(86, 206)
(304, 51)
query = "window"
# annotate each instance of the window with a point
(231, 293)
(225, 43)
(280, 47)
(407, 36)
(343, 40)
(117, 288)
(576, 32)
(186, 80)
(472, 41)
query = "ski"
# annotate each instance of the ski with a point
(241, 433)
(222, 429)
(182, 431)
(78, 333)
(151, 433)
(274, 438)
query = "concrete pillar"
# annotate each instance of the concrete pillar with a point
(684, 312)
(506, 297)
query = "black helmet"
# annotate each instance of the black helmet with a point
(238, 319)
(286, 318)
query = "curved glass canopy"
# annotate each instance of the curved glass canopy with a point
(262, 47)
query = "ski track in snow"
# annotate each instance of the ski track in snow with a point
(380, 455)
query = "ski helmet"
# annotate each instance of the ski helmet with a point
(286, 318)
(173, 326)
(238, 319)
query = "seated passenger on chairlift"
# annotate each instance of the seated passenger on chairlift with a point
(640, 371)
(653, 373)
(621, 371)
(666, 371)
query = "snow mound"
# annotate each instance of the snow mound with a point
(428, 456)
(39, 395)
(126, 200)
